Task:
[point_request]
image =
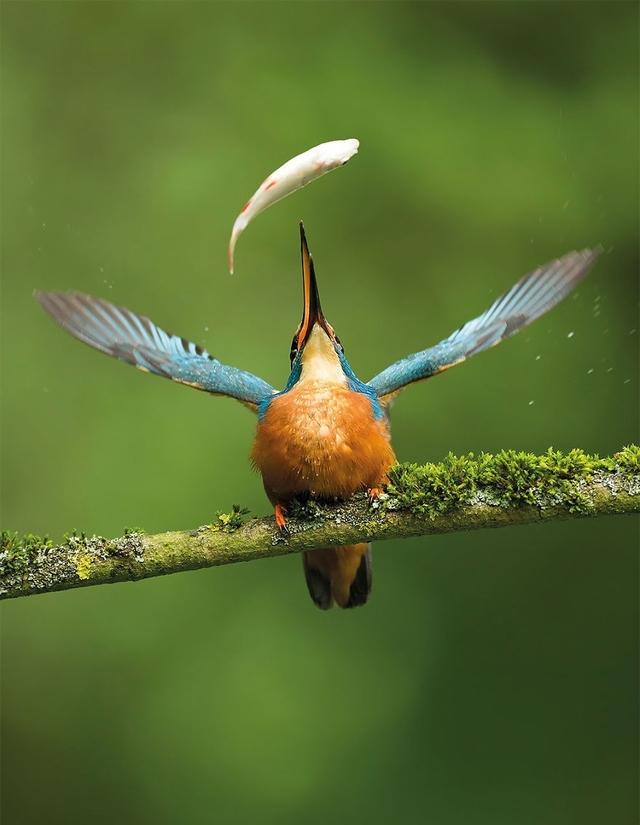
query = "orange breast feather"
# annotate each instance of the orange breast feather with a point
(321, 439)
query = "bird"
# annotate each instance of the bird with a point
(326, 435)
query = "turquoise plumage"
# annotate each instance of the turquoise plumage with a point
(136, 340)
(533, 295)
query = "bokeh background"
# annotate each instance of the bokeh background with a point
(493, 677)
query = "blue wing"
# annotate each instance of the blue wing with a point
(531, 297)
(137, 340)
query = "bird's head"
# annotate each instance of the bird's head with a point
(316, 351)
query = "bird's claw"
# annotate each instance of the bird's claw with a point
(281, 519)
(373, 494)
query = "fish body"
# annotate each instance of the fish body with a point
(291, 176)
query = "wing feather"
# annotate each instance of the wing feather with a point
(136, 340)
(532, 296)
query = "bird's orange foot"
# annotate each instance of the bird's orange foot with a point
(373, 494)
(280, 516)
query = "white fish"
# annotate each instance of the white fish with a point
(293, 175)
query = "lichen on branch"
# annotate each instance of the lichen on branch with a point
(460, 493)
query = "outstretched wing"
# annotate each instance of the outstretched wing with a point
(137, 340)
(531, 297)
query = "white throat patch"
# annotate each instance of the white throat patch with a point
(320, 362)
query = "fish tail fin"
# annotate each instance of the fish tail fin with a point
(238, 227)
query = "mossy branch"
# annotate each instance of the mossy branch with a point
(461, 493)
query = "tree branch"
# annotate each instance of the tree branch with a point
(460, 493)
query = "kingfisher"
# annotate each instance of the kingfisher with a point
(326, 435)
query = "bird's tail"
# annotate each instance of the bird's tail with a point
(338, 574)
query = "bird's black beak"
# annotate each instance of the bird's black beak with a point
(312, 311)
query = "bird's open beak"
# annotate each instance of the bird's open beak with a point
(312, 311)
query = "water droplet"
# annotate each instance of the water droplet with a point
(538, 357)
(531, 403)
(632, 331)
(565, 205)
(589, 372)
(609, 369)
(206, 329)
(570, 335)
(627, 381)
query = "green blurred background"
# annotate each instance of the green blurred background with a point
(493, 677)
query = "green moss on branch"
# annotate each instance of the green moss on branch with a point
(460, 493)
(508, 478)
